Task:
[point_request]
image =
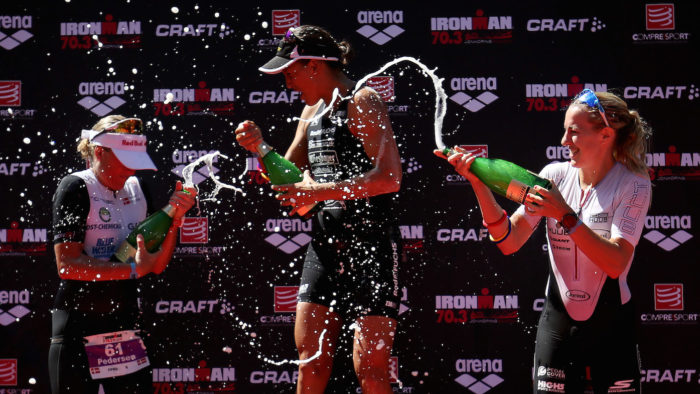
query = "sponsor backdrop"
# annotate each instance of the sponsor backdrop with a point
(226, 302)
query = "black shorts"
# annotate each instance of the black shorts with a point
(352, 270)
(571, 356)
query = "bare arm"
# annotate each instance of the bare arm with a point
(370, 123)
(73, 264)
(298, 150)
(611, 255)
(491, 211)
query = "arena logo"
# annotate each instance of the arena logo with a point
(660, 23)
(485, 85)
(107, 34)
(16, 298)
(283, 20)
(479, 29)
(101, 108)
(22, 169)
(19, 24)
(669, 375)
(184, 157)
(676, 238)
(292, 243)
(274, 97)
(668, 92)
(194, 30)
(669, 299)
(199, 379)
(565, 25)
(673, 165)
(8, 372)
(164, 307)
(194, 230)
(482, 308)
(274, 377)
(11, 97)
(194, 101)
(472, 369)
(557, 153)
(370, 19)
(453, 178)
(16, 241)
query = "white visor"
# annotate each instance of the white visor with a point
(130, 149)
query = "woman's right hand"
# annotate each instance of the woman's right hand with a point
(462, 161)
(248, 135)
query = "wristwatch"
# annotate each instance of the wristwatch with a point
(570, 222)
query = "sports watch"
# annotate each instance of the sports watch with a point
(570, 222)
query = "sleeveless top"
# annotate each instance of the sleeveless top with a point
(614, 208)
(110, 218)
(335, 154)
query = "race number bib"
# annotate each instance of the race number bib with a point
(115, 354)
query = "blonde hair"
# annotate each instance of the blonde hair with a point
(632, 132)
(87, 149)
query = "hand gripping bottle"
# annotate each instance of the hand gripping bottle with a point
(154, 229)
(505, 178)
(281, 171)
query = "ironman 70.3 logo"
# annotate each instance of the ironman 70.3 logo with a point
(557, 96)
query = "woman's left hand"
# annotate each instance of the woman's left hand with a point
(297, 194)
(549, 203)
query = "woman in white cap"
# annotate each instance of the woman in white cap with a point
(594, 216)
(353, 171)
(93, 212)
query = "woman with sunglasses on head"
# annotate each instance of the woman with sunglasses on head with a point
(96, 303)
(353, 171)
(594, 215)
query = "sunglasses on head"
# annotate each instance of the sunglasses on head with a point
(289, 36)
(126, 126)
(590, 99)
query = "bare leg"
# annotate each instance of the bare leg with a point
(311, 320)
(371, 351)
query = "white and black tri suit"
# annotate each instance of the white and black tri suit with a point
(588, 320)
(352, 261)
(86, 211)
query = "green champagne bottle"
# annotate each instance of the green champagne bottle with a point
(154, 229)
(281, 171)
(505, 178)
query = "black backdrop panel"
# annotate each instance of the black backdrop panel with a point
(468, 314)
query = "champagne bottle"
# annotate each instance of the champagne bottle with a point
(154, 229)
(505, 178)
(281, 171)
